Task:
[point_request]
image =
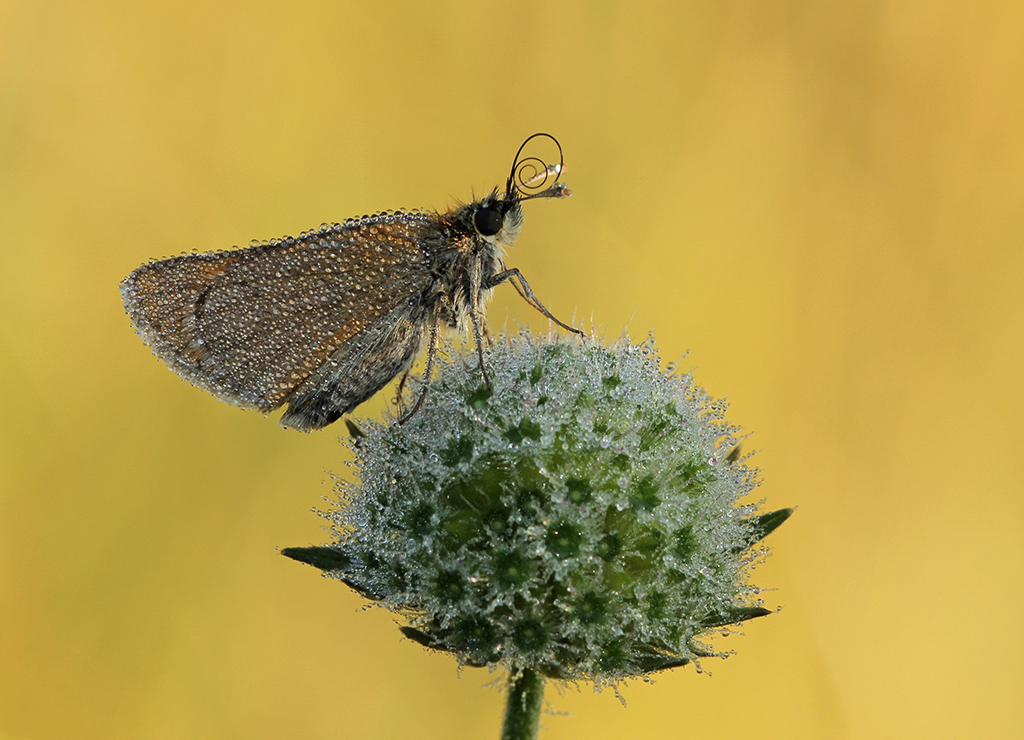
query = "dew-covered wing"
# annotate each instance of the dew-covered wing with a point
(252, 324)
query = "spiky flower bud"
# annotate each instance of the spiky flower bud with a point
(581, 519)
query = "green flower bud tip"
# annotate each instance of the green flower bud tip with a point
(581, 517)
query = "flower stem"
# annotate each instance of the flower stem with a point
(522, 711)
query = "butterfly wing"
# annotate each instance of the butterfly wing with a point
(255, 325)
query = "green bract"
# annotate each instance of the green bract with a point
(580, 518)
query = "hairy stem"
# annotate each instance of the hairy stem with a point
(522, 711)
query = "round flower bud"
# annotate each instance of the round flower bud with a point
(580, 516)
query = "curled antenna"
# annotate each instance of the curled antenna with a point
(530, 176)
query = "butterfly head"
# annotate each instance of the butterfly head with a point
(498, 217)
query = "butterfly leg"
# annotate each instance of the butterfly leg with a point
(523, 288)
(475, 282)
(431, 354)
(400, 390)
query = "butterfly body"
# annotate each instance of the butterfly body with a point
(323, 321)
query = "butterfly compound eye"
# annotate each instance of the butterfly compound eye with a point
(488, 221)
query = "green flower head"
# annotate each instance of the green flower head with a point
(581, 517)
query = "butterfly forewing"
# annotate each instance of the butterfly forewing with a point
(303, 299)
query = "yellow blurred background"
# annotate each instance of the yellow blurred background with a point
(823, 202)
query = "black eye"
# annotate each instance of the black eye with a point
(488, 221)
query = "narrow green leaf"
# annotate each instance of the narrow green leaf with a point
(646, 659)
(354, 430)
(323, 557)
(421, 637)
(759, 527)
(734, 616)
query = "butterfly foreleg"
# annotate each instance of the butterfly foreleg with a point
(523, 288)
